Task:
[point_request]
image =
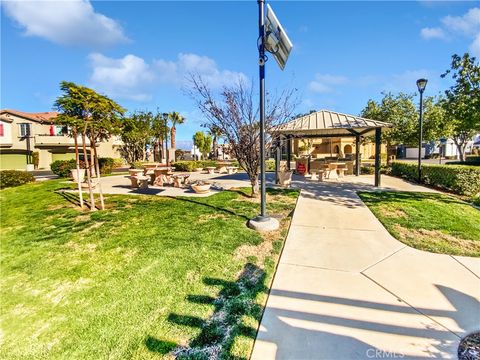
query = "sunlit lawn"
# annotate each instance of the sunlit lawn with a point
(138, 280)
(428, 221)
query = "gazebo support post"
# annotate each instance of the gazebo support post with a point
(278, 155)
(378, 141)
(289, 151)
(357, 155)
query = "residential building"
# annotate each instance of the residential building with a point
(22, 133)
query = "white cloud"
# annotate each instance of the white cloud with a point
(432, 33)
(466, 25)
(131, 77)
(125, 78)
(475, 46)
(175, 72)
(68, 22)
(325, 83)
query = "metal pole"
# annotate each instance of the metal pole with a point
(261, 63)
(357, 155)
(378, 142)
(420, 139)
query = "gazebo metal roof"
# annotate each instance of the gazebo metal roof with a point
(325, 123)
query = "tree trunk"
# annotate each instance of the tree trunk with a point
(254, 185)
(215, 147)
(77, 160)
(97, 169)
(87, 165)
(173, 133)
(460, 144)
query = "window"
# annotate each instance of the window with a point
(24, 129)
(1, 129)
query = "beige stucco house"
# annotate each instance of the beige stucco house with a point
(22, 133)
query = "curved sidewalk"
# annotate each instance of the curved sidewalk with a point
(346, 289)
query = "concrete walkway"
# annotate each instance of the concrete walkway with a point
(346, 289)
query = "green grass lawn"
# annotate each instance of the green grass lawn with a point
(138, 280)
(428, 221)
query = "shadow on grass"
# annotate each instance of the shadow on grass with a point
(71, 197)
(217, 208)
(235, 300)
(399, 196)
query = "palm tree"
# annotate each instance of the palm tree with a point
(176, 119)
(216, 132)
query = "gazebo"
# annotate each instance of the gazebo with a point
(328, 124)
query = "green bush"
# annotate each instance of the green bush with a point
(269, 165)
(187, 166)
(9, 178)
(118, 163)
(62, 167)
(367, 170)
(461, 179)
(476, 200)
(191, 165)
(106, 165)
(473, 158)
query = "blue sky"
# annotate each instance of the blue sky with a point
(138, 53)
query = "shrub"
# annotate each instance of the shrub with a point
(269, 165)
(367, 170)
(106, 165)
(191, 165)
(461, 179)
(136, 164)
(187, 166)
(62, 167)
(118, 163)
(473, 158)
(9, 178)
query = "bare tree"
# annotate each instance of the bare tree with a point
(235, 112)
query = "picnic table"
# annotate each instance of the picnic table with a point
(180, 179)
(337, 169)
(232, 170)
(135, 172)
(222, 167)
(162, 175)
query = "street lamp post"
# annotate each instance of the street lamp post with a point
(165, 117)
(421, 84)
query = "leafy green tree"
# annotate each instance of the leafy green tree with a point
(136, 134)
(92, 115)
(398, 110)
(462, 100)
(434, 124)
(203, 142)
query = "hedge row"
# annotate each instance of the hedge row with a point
(9, 178)
(190, 166)
(461, 179)
(62, 167)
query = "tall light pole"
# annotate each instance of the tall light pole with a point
(165, 117)
(421, 84)
(261, 63)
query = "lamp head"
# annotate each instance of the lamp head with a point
(165, 116)
(421, 84)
